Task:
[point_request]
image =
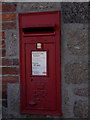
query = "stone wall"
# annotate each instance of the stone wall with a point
(74, 57)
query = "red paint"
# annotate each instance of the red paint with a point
(40, 94)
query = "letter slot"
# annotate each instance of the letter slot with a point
(38, 31)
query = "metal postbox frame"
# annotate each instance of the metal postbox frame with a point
(25, 40)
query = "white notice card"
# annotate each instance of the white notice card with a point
(39, 65)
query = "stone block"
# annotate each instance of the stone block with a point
(82, 92)
(11, 43)
(13, 98)
(81, 109)
(4, 113)
(76, 73)
(65, 104)
(38, 6)
(75, 12)
(14, 101)
(76, 38)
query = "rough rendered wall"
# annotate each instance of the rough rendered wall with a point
(74, 57)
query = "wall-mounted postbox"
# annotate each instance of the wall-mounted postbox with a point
(40, 70)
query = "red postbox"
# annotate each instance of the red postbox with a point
(40, 64)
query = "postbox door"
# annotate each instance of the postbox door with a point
(41, 91)
(40, 68)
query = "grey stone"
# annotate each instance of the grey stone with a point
(66, 97)
(4, 112)
(68, 52)
(81, 109)
(75, 38)
(68, 72)
(65, 104)
(13, 98)
(14, 101)
(76, 73)
(82, 92)
(78, 41)
(75, 12)
(11, 43)
(38, 6)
